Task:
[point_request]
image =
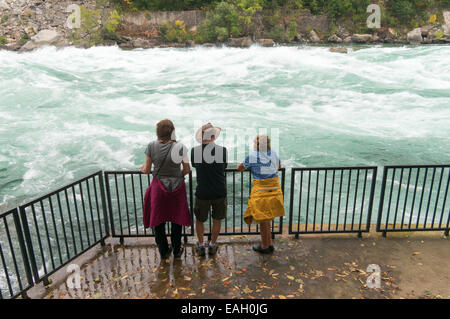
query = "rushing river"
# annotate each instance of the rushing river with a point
(66, 113)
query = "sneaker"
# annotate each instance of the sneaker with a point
(200, 250)
(179, 253)
(259, 249)
(212, 249)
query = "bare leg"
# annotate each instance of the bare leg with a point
(200, 229)
(215, 230)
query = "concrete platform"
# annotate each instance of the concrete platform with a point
(412, 265)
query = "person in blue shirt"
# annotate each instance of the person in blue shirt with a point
(266, 198)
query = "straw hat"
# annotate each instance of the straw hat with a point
(206, 132)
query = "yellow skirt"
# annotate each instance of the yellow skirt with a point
(265, 202)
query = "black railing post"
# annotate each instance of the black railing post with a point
(110, 209)
(381, 203)
(104, 207)
(29, 244)
(371, 198)
(23, 251)
(291, 201)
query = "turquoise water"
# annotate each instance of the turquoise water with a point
(66, 113)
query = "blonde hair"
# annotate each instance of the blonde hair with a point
(262, 143)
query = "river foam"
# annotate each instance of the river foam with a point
(66, 113)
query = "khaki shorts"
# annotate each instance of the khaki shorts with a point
(219, 208)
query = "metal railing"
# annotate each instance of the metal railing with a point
(63, 224)
(413, 198)
(45, 234)
(125, 191)
(15, 271)
(331, 200)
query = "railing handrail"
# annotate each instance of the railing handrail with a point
(61, 188)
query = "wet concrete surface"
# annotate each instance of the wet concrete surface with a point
(314, 266)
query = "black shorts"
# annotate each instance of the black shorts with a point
(219, 208)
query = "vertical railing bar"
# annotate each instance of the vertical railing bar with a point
(48, 234)
(339, 200)
(226, 216)
(283, 184)
(406, 198)
(381, 203)
(8, 280)
(134, 202)
(83, 206)
(437, 197)
(242, 200)
(234, 202)
(291, 200)
(118, 205)
(429, 197)
(97, 206)
(13, 254)
(398, 197)
(363, 199)
(63, 224)
(78, 217)
(20, 238)
(390, 198)
(307, 201)
(323, 201)
(142, 197)
(84, 213)
(126, 203)
(331, 200)
(445, 201)
(315, 199)
(104, 205)
(348, 194)
(371, 197)
(249, 192)
(110, 207)
(354, 200)
(90, 208)
(421, 197)
(39, 237)
(300, 201)
(56, 230)
(70, 219)
(414, 199)
(29, 243)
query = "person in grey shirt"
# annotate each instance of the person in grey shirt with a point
(165, 199)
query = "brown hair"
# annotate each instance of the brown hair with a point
(262, 142)
(164, 130)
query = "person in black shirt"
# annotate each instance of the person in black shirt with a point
(210, 162)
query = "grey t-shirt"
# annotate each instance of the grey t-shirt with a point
(168, 171)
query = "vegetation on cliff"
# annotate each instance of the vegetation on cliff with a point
(235, 18)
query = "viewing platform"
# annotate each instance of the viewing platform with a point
(331, 240)
(317, 266)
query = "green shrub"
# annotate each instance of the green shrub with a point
(175, 32)
(277, 33)
(292, 31)
(3, 40)
(218, 25)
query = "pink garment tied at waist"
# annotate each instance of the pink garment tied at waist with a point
(161, 206)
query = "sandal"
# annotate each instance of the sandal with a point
(261, 250)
